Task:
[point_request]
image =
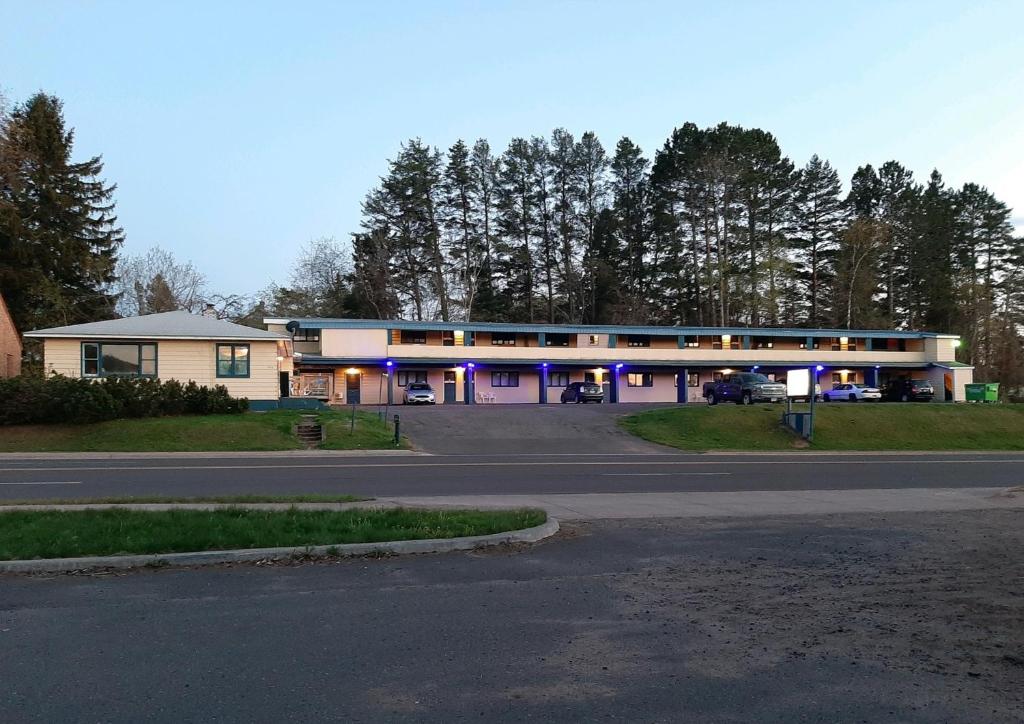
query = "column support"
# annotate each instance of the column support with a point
(682, 382)
(543, 394)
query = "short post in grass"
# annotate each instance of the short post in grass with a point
(397, 430)
(352, 424)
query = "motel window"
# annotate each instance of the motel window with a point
(691, 341)
(232, 360)
(556, 340)
(558, 379)
(413, 336)
(717, 376)
(764, 342)
(836, 378)
(693, 379)
(816, 344)
(504, 379)
(640, 379)
(638, 340)
(407, 376)
(593, 340)
(307, 335)
(504, 338)
(448, 339)
(117, 359)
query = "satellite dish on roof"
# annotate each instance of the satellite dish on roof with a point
(292, 326)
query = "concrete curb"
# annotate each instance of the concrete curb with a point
(434, 545)
(201, 455)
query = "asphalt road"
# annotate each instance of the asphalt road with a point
(911, 618)
(501, 474)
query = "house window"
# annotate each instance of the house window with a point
(717, 376)
(558, 379)
(693, 379)
(638, 340)
(556, 340)
(504, 338)
(640, 379)
(407, 376)
(413, 336)
(448, 339)
(593, 340)
(307, 335)
(118, 359)
(504, 379)
(232, 360)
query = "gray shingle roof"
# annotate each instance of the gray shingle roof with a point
(166, 325)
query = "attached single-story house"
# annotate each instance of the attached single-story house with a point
(10, 343)
(173, 346)
(368, 361)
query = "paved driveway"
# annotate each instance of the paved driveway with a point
(518, 429)
(895, 617)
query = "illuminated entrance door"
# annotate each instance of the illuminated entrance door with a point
(352, 388)
(449, 385)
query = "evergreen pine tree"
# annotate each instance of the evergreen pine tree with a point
(819, 219)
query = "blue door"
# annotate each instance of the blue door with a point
(449, 385)
(352, 388)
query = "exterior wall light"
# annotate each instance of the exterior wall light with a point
(471, 365)
(544, 365)
(618, 366)
(819, 368)
(389, 363)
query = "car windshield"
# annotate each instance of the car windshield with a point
(757, 378)
(419, 387)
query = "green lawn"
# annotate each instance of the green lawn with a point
(838, 426)
(64, 534)
(249, 431)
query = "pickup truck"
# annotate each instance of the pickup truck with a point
(744, 388)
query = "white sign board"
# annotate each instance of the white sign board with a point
(798, 382)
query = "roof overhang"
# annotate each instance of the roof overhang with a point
(158, 337)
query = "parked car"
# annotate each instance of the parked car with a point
(583, 392)
(904, 390)
(852, 391)
(419, 393)
(744, 388)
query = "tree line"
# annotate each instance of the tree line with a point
(717, 227)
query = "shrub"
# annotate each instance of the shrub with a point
(58, 399)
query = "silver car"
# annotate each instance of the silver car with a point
(419, 393)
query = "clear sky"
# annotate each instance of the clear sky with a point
(236, 131)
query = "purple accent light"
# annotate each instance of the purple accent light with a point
(819, 368)
(389, 363)
(471, 365)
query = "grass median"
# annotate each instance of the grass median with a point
(168, 499)
(253, 431)
(837, 426)
(29, 535)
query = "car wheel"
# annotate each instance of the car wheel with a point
(853, 398)
(905, 397)
(748, 399)
(826, 398)
(712, 398)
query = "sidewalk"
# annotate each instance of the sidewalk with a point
(596, 506)
(212, 454)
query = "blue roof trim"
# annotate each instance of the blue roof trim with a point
(332, 323)
(574, 364)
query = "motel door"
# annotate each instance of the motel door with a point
(352, 388)
(449, 385)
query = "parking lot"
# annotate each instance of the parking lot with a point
(523, 428)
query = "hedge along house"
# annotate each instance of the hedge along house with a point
(173, 346)
(371, 361)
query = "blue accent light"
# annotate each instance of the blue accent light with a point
(819, 368)
(544, 365)
(471, 365)
(389, 363)
(619, 366)
(756, 367)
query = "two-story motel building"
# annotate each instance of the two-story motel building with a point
(371, 361)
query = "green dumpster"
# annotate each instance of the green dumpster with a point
(982, 391)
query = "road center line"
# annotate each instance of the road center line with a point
(551, 463)
(46, 482)
(651, 475)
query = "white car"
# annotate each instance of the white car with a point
(853, 391)
(419, 393)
